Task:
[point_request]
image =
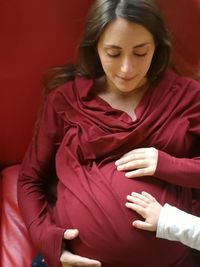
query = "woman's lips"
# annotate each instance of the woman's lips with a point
(126, 79)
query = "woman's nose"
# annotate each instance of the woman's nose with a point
(127, 65)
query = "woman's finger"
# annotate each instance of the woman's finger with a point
(69, 259)
(130, 156)
(70, 234)
(131, 165)
(149, 171)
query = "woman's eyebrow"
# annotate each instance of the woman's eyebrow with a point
(118, 47)
(142, 45)
(112, 46)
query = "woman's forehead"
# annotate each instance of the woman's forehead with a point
(121, 30)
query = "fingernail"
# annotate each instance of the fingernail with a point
(119, 168)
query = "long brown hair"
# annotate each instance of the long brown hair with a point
(102, 12)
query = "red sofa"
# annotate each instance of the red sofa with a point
(36, 35)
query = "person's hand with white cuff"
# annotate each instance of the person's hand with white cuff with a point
(148, 207)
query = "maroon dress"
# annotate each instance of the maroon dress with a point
(81, 136)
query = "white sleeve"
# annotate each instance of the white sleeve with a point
(177, 225)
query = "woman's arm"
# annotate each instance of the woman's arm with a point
(168, 222)
(179, 170)
(37, 171)
(36, 175)
(152, 162)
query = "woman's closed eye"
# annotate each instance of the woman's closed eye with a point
(113, 54)
(140, 54)
(118, 54)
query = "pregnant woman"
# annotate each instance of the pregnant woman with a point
(118, 121)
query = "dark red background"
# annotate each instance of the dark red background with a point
(35, 35)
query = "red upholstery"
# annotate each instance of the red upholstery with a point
(36, 35)
(15, 239)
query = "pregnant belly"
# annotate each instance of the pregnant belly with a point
(95, 204)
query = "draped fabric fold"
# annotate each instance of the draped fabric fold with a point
(92, 193)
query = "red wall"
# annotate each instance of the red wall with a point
(38, 34)
(183, 20)
(35, 35)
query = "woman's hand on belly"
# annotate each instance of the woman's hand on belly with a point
(70, 260)
(138, 162)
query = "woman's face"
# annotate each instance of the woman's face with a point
(125, 50)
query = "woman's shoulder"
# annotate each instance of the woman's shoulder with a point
(70, 90)
(181, 82)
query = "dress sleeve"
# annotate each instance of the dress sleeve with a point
(37, 171)
(181, 171)
(185, 171)
(177, 225)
